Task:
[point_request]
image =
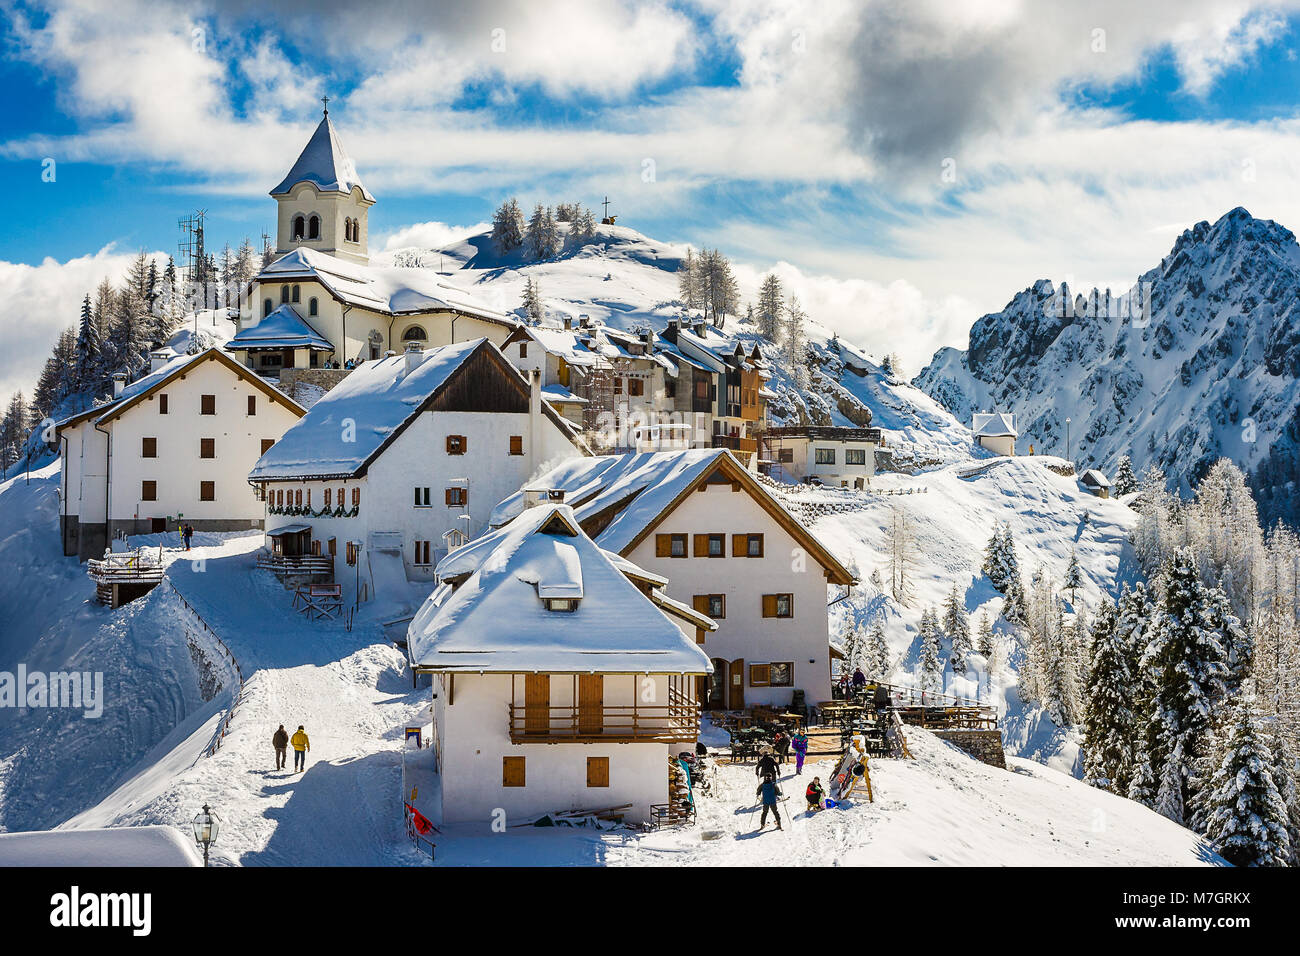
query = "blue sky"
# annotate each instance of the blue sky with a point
(811, 133)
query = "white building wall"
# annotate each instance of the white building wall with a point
(784, 568)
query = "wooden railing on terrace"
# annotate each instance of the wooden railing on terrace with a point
(678, 721)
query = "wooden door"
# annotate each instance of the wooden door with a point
(736, 691)
(537, 703)
(157, 525)
(591, 704)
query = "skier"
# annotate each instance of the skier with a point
(281, 744)
(766, 764)
(800, 744)
(301, 746)
(769, 793)
(814, 795)
(187, 534)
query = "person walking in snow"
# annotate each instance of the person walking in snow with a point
(769, 793)
(280, 741)
(301, 746)
(766, 764)
(187, 534)
(781, 743)
(814, 794)
(799, 742)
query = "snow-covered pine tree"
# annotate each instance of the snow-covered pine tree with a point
(532, 301)
(878, 656)
(854, 647)
(688, 282)
(1142, 785)
(794, 335)
(956, 624)
(542, 235)
(1125, 481)
(584, 226)
(1284, 779)
(770, 313)
(930, 662)
(1169, 798)
(508, 227)
(1247, 820)
(719, 290)
(994, 566)
(985, 638)
(1073, 578)
(1108, 718)
(902, 555)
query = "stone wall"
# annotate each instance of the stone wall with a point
(305, 385)
(983, 745)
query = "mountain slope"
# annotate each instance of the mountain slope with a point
(1198, 360)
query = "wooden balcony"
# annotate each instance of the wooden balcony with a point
(675, 723)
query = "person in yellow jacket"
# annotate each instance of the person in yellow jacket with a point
(301, 746)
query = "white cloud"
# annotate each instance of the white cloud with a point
(428, 235)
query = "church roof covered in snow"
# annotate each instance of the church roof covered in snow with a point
(993, 425)
(393, 290)
(498, 619)
(624, 497)
(325, 164)
(353, 422)
(282, 329)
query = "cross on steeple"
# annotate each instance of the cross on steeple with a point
(326, 101)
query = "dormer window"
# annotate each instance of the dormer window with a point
(561, 604)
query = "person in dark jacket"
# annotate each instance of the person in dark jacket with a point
(280, 741)
(769, 793)
(814, 794)
(781, 743)
(880, 699)
(187, 534)
(766, 765)
(859, 679)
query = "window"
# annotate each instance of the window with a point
(297, 495)
(512, 771)
(747, 546)
(332, 546)
(785, 455)
(713, 605)
(284, 293)
(598, 771)
(297, 291)
(308, 497)
(635, 387)
(702, 389)
(207, 491)
(855, 456)
(252, 404)
(414, 334)
(148, 448)
(670, 388)
(313, 306)
(356, 497)
(670, 546)
(342, 500)
(422, 550)
(457, 497)
(516, 444)
(825, 456)
(561, 604)
(207, 404)
(267, 306)
(266, 444)
(759, 675)
(298, 227)
(778, 605)
(423, 497)
(352, 554)
(328, 495)
(148, 491)
(781, 674)
(523, 350)
(618, 385)
(710, 545)
(313, 228)
(456, 444)
(162, 403)
(207, 448)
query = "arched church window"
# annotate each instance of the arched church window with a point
(414, 334)
(347, 230)
(312, 306)
(266, 307)
(284, 294)
(313, 227)
(297, 227)
(296, 294)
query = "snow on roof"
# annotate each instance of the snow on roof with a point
(994, 425)
(282, 329)
(325, 164)
(378, 397)
(560, 395)
(568, 344)
(113, 846)
(390, 289)
(1095, 478)
(497, 621)
(645, 483)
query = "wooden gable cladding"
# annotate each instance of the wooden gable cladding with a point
(480, 384)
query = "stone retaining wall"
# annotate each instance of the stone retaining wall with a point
(983, 745)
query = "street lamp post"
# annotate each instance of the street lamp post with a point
(206, 825)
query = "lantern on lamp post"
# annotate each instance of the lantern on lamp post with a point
(206, 825)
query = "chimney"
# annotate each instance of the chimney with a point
(414, 355)
(568, 322)
(584, 321)
(119, 383)
(158, 359)
(534, 417)
(648, 336)
(699, 329)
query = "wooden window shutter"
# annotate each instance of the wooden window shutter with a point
(207, 491)
(148, 491)
(760, 675)
(148, 448)
(701, 545)
(252, 404)
(598, 771)
(769, 605)
(447, 496)
(162, 403)
(663, 546)
(207, 405)
(207, 448)
(739, 545)
(266, 445)
(516, 444)
(701, 603)
(512, 772)
(699, 635)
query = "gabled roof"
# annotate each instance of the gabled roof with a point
(993, 425)
(497, 620)
(380, 399)
(325, 164)
(143, 387)
(282, 329)
(392, 290)
(1095, 478)
(625, 497)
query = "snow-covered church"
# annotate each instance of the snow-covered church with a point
(320, 302)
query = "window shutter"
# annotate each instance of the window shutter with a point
(701, 603)
(149, 448)
(447, 493)
(740, 545)
(663, 546)
(769, 605)
(266, 444)
(162, 403)
(598, 771)
(512, 771)
(207, 448)
(699, 635)
(252, 404)
(701, 545)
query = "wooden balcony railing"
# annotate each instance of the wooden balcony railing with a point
(675, 722)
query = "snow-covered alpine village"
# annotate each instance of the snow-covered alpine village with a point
(335, 534)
